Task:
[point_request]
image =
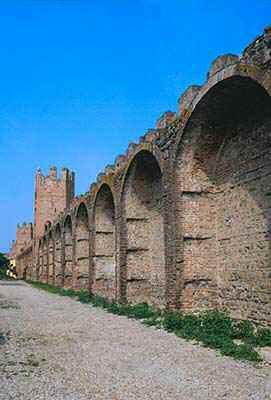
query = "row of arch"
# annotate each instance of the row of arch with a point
(186, 227)
(83, 251)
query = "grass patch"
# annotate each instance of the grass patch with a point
(54, 289)
(214, 329)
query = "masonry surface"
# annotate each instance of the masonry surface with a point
(183, 219)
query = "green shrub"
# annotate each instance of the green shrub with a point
(173, 321)
(114, 308)
(187, 326)
(140, 311)
(240, 351)
(216, 341)
(83, 296)
(262, 338)
(99, 301)
(69, 292)
(153, 321)
(216, 323)
(243, 330)
(192, 326)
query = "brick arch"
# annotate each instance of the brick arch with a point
(82, 252)
(25, 272)
(68, 251)
(104, 242)
(145, 147)
(58, 255)
(143, 258)
(240, 70)
(44, 276)
(51, 267)
(222, 203)
(40, 260)
(47, 226)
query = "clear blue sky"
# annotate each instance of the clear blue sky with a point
(80, 79)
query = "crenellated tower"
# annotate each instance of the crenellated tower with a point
(24, 235)
(52, 195)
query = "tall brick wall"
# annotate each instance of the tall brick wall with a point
(52, 195)
(182, 219)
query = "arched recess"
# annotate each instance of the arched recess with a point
(30, 274)
(25, 273)
(104, 243)
(58, 258)
(82, 247)
(142, 204)
(51, 272)
(40, 263)
(47, 226)
(68, 251)
(45, 261)
(223, 201)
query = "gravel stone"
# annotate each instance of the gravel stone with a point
(52, 347)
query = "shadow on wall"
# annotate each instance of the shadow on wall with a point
(224, 201)
(58, 258)
(104, 244)
(68, 261)
(51, 271)
(82, 248)
(144, 230)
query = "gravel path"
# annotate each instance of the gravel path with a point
(56, 348)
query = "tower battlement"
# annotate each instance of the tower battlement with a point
(52, 195)
(24, 234)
